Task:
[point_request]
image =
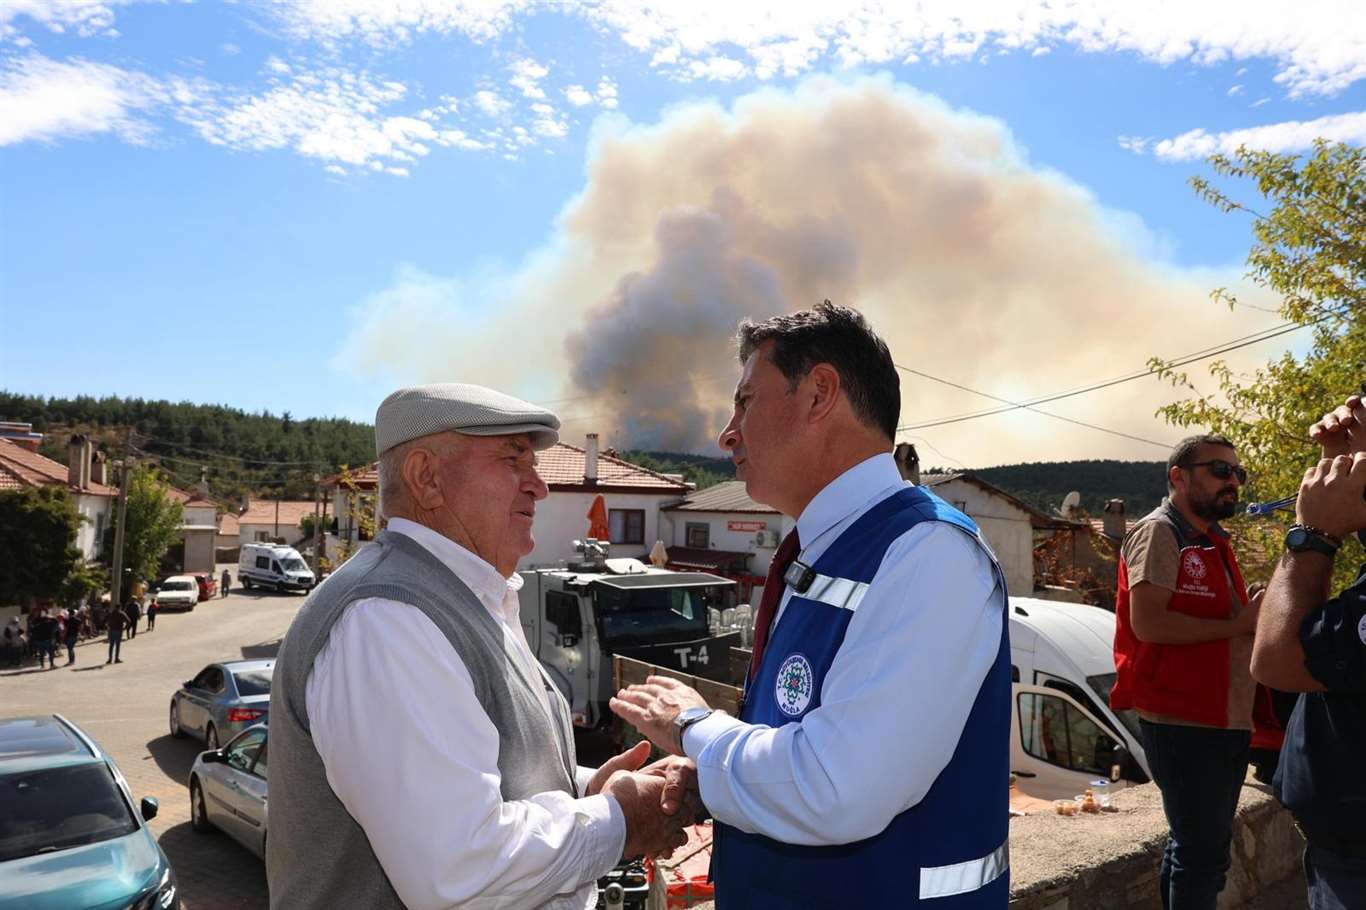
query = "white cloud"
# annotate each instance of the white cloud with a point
(491, 103)
(1136, 144)
(1260, 101)
(607, 93)
(84, 17)
(1290, 136)
(526, 77)
(578, 96)
(44, 99)
(718, 69)
(1234, 90)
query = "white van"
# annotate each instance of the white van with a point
(272, 565)
(1063, 732)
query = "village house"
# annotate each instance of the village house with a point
(84, 478)
(722, 531)
(274, 519)
(632, 495)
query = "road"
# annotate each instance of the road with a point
(124, 708)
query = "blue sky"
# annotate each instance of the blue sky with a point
(297, 204)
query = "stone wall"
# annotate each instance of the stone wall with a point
(1110, 862)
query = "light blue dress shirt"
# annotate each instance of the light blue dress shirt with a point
(895, 700)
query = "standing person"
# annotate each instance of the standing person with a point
(1308, 642)
(13, 639)
(412, 656)
(153, 608)
(44, 632)
(869, 766)
(114, 625)
(73, 635)
(133, 612)
(227, 583)
(1182, 652)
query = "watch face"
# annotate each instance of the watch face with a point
(691, 714)
(1296, 538)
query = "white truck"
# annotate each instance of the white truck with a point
(1064, 734)
(272, 565)
(576, 618)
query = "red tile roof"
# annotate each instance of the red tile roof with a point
(562, 468)
(228, 525)
(26, 468)
(262, 512)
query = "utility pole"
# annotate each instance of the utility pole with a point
(277, 513)
(125, 466)
(317, 525)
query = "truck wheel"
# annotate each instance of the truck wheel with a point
(246, 583)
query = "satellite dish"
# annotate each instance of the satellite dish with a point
(1071, 503)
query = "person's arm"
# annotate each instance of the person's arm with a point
(1154, 623)
(893, 704)
(412, 756)
(1331, 500)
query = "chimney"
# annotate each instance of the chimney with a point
(99, 469)
(590, 459)
(1114, 519)
(78, 462)
(907, 461)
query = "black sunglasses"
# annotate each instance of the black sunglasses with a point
(1220, 469)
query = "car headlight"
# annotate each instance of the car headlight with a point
(159, 898)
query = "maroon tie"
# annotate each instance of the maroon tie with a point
(773, 594)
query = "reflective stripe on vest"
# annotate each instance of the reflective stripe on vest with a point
(960, 878)
(840, 593)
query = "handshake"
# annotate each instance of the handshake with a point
(658, 800)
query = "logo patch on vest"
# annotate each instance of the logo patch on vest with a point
(1361, 630)
(795, 684)
(1194, 564)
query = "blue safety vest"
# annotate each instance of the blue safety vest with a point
(947, 852)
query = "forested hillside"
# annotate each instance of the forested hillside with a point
(243, 453)
(1141, 484)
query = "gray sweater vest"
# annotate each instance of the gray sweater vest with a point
(317, 855)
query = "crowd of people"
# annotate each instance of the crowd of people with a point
(47, 631)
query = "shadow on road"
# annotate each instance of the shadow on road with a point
(174, 756)
(26, 672)
(234, 879)
(262, 650)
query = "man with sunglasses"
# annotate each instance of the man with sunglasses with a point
(1182, 652)
(1310, 643)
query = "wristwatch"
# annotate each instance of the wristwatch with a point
(1304, 539)
(686, 718)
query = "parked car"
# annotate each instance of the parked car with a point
(208, 584)
(222, 700)
(270, 565)
(69, 834)
(179, 592)
(228, 790)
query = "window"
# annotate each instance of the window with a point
(562, 612)
(262, 536)
(209, 679)
(626, 525)
(263, 562)
(698, 535)
(252, 682)
(58, 808)
(243, 751)
(275, 567)
(1056, 731)
(961, 506)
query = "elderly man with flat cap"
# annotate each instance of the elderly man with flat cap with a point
(420, 757)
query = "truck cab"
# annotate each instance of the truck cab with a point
(1064, 734)
(576, 618)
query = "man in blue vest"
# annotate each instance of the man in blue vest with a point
(869, 765)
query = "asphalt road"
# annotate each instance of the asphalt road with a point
(124, 707)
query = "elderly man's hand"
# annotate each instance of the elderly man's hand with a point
(1331, 496)
(1342, 431)
(630, 760)
(649, 831)
(680, 785)
(652, 707)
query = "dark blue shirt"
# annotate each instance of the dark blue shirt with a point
(1322, 773)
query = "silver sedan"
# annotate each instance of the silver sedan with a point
(222, 700)
(228, 790)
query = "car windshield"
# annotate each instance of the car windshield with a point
(294, 565)
(58, 808)
(641, 615)
(1101, 685)
(178, 586)
(252, 682)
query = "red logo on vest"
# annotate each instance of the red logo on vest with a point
(1194, 564)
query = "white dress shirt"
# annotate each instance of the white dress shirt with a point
(894, 701)
(413, 757)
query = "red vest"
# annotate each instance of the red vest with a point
(1189, 682)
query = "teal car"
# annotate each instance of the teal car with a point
(70, 838)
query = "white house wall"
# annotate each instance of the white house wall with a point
(722, 538)
(562, 518)
(291, 533)
(1005, 526)
(99, 514)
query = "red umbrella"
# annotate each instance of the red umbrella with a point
(597, 519)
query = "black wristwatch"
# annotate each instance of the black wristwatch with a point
(1306, 539)
(686, 718)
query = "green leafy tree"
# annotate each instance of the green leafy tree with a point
(151, 526)
(84, 580)
(38, 527)
(1310, 248)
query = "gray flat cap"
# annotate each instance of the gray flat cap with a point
(470, 409)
